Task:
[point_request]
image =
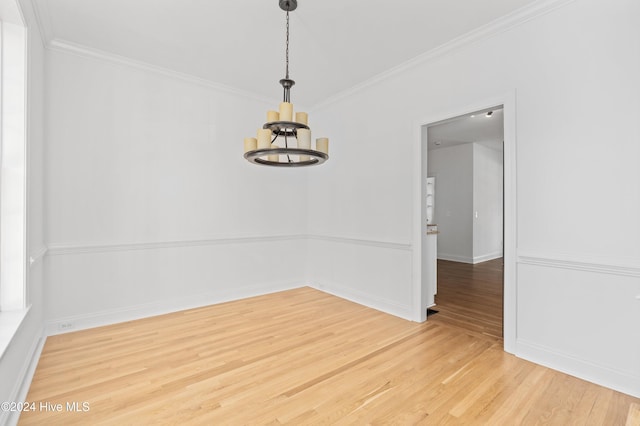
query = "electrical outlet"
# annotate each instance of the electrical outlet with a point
(65, 326)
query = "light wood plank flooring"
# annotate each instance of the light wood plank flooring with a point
(470, 296)
(304, 357)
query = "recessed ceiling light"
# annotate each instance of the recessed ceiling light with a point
(472, 115)
(490, 113)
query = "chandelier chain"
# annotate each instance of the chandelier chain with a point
(287, 51)
(281, 125)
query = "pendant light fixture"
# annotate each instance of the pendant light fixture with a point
(285, 139)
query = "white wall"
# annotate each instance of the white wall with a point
(453, 168)
(150, 205)
(360, 245)
(468, 181)
(487, 203)
(18, 361)
(138, 177)
(575, 72)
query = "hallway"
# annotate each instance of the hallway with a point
(470, 296)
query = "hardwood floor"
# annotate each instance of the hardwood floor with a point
(470, 296)
(303, 357)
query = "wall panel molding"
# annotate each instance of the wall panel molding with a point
(365, 299)
(615, 379)
(372, 273)
(623, 267)
(38, 255)
(96, 285)
(365, 242)
(73, 249)
(129, 313)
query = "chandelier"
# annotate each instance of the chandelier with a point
(285, 139)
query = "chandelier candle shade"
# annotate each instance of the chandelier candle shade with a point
(273, 145)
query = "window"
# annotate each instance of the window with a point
(12, 157)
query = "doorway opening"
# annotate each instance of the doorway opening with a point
(467, 162)
(465, 216)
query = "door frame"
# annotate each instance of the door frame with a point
(508, 102)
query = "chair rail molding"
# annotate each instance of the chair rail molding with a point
(71, 249)
(627, 267)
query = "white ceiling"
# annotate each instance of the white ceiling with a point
(476, 127)
(335, 44)
(9, 12)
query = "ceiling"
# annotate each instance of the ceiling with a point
(335, 44)
(10, 13)
(476, 127)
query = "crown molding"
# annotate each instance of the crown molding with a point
(64, 46)
(43, 20)
(505, 23)
(502, 24)
(499, 25)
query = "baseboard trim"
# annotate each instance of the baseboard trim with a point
(27, 370)
(603, 376)
(471, 260)
(454, 258)
(487, 257)
(383, 305)
(130, 313)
